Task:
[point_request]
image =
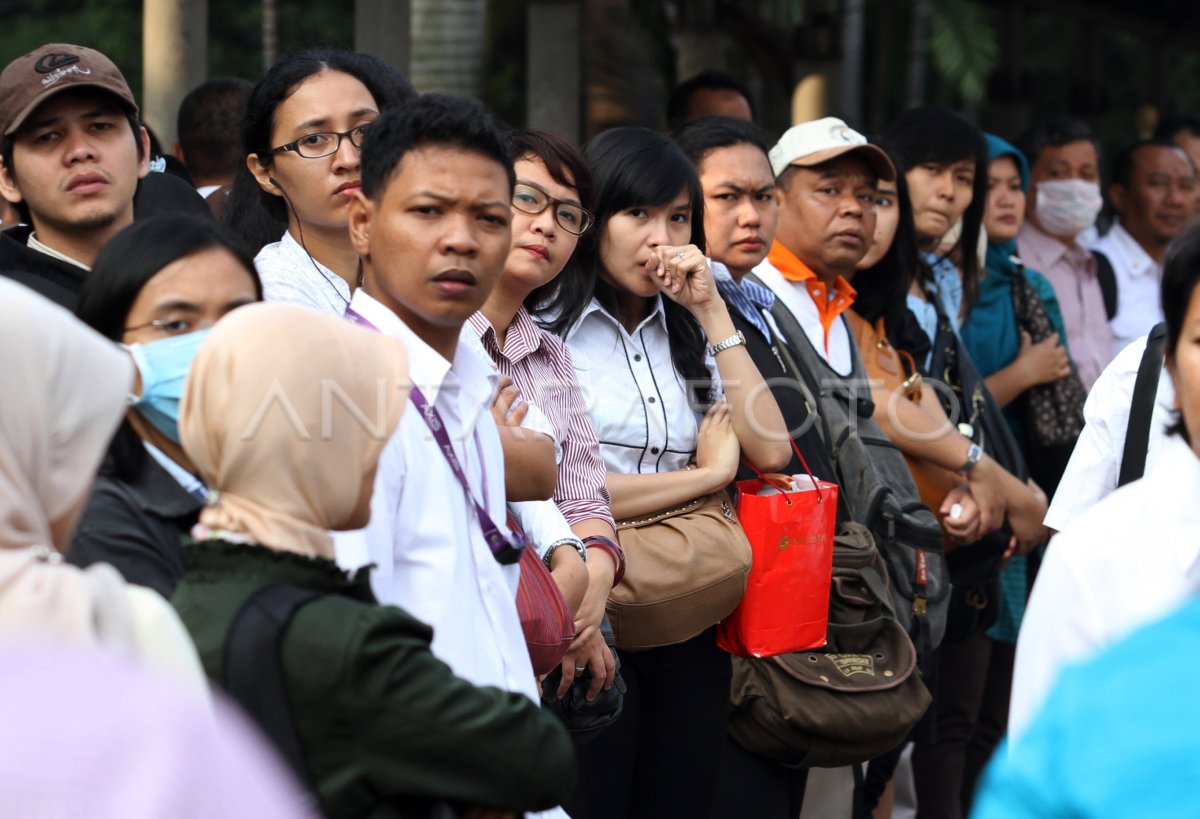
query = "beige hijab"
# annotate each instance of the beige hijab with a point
(62, 395)
(284, 414)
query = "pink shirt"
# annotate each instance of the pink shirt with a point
(1072, 272)
(540, 365)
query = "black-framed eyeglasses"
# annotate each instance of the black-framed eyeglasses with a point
(570, 217)
(323, 143)
(173, 327)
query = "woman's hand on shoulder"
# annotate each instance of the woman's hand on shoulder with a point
(685, 276)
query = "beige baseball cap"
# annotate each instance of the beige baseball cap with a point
(29, 81)
(811, 143)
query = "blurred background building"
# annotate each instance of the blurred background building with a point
(579, 66)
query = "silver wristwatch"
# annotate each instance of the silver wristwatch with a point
(733, 341)
(974, 456)
(574, 543)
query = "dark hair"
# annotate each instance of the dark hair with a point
(1181, 275)
(1168, 129)
(127, 262)
(633, 167)
(136, 254)
(705, 134)
(1054, 133)
(207, 127)
(1122, 168)
(6, 147)
(934, 134)
(259, 217)
(565, 164)
(433, 119)
(883, 288)
(680, 102)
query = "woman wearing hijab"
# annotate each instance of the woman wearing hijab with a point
(68, 388)
(284, 415)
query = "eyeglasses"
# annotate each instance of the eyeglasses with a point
(570, 217)
(173, 327)
(323, 143)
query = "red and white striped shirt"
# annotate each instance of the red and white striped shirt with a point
(540, 365)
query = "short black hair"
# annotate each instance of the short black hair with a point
(1055, 133)
(679, 103)
(705, 134)
(1181, 275)
(136, 254)
(1170, 128)
(434, 119)
(1122, 169)
(208, 124)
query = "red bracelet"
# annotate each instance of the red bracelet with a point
(607, 544)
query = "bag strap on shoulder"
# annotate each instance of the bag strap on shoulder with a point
(1145, 389)
(1108, 283)
(253, 665)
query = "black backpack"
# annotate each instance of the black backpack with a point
(1145, 391)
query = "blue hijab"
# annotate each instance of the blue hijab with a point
(990, 330)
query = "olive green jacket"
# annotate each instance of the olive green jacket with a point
(381, 721)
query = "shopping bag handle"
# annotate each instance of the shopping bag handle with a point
(783, 489)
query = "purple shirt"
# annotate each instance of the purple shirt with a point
(1072, 272)
(540, 365)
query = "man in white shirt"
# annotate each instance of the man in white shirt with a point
(1095, 463)
(1152, 190)
(432, 226)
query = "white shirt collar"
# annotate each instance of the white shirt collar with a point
(657, 315)
(190, 483)
(427, 368)
(34, 244)
(1177, 476)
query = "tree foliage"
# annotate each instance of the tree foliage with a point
(964, 46)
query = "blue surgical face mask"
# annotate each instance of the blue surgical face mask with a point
(164, 366)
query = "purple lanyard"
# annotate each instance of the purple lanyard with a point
(506, 550)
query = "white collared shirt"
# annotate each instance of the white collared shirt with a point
(290, 276)
(1095, 462)
(1128, 560)
(795, 298)
(1138, 282)
(640, 405)
(430, 554)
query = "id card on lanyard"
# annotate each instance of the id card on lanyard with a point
(505, 549)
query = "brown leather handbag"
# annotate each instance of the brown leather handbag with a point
(686, 569)
(897, 370)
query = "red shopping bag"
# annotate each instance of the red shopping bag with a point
(786, 605)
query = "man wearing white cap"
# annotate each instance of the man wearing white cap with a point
(826, 174)
(73, 151)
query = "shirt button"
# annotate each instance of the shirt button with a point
(637, 356)
(652, 399)
(653, 450)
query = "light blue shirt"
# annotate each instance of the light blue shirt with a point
(1119, 736)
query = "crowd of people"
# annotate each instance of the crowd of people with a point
(342, 438)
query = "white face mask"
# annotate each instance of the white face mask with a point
(1067, 207)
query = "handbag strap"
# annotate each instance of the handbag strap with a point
(506, 550)
(777, 484)
(1145, 390)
